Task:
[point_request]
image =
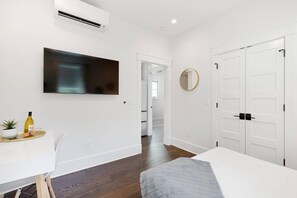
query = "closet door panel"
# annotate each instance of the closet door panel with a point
(264, 101)
(231, 99)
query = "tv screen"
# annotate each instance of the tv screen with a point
(71, 73)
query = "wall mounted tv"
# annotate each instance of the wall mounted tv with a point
(71, 73)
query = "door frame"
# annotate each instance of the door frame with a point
(141, 57)
(289, 33)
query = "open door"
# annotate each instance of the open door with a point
(149, 105)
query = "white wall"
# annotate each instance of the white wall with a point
(192, 110)
(101, 128)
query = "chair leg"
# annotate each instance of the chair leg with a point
(50, 187)
(18, 193)
(41, 186)
(47, 191)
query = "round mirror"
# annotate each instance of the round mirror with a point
(189, 79)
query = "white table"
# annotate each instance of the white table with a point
(29, 158)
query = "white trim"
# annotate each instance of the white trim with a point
(167, 105)
(167, 92)
(214, 99)
(154, 59)
(70, 166)
(291, 101)
(190, 147)
(257, 39)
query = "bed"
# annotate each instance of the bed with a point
(242, 176)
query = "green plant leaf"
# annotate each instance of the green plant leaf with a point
(9, 124)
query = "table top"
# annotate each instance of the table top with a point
(20, 137)
(23, 159)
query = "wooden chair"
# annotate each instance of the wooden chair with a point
(20, 184)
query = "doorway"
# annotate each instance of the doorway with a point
(148, 119)
(152, 100)
(250, 100)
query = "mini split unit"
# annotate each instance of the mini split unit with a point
(82, 12)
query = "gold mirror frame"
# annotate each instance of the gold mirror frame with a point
(184, 79)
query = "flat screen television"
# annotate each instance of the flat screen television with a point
(71, 73)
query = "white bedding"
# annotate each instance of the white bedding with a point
(242, 176)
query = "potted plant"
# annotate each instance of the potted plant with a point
(9, 131)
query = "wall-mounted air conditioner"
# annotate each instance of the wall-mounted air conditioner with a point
(82, 12)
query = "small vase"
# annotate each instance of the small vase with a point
(9, 133)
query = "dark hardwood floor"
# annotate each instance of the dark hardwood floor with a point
(116, 179)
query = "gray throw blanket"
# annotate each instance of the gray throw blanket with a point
(180, 178)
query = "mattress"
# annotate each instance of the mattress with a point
(242, 176)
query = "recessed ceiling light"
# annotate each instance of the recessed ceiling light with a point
(173, 21)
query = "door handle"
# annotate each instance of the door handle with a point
(241, 116)
(249, 117)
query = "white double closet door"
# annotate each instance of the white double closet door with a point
(251, 101)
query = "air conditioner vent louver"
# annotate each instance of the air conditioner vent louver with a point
(82, 12)
(70, 16)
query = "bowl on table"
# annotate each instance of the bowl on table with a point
(9, 133)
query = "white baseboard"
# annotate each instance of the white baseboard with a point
(187, 146)
(82, 163)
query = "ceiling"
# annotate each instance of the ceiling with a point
(156, 15)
